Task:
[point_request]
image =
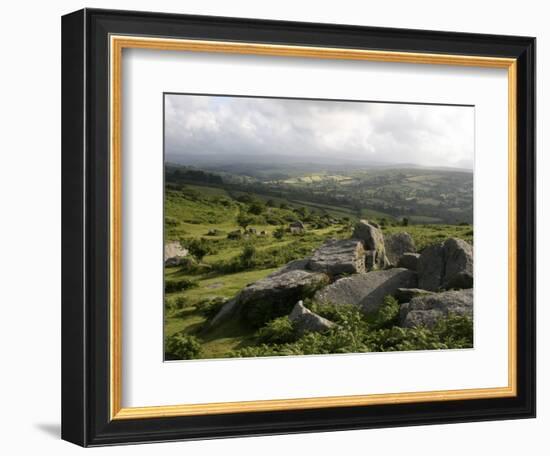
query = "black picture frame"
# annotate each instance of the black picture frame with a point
(85, 224)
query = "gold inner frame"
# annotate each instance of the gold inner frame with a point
(117, 44)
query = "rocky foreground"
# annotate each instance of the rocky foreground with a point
(361, 271)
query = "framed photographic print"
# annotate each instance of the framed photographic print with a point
(279, 227)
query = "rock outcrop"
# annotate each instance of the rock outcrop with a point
(373, 242)
(459, 264)
(430, 267)
(406, 294)
(366, 291)
(174, 253)
(363, 260)
(275, 293)
(398, 244)
(428, 309)
(446, 265)
(282, 285)
(227, 310)
(336, 257)
(293, 265)
(305, 320)
(409, 261)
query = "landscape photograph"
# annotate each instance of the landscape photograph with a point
(316, 227)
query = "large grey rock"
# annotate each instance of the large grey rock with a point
(174, 253)
(427, 310)
(370, 257)
(396, 245)
(366, 291)
(430, 268)
(284, 285)
(459, 264)
(336, 257)
(277, 292)
(373, 241)
(406, 294)
(446, 265)
(275, 295)
(305, 320)
(409, 260)
(293, 265)
(228, 309)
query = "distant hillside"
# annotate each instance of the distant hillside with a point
(422, 195)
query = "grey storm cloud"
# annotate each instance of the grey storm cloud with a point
(216, 126)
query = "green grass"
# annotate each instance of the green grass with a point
(228, 336)
(208, 191)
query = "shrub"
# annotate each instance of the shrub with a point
(210, 307)
(182, 346)
(246, 198)
(235, 235)
(215, 232)
(278, 331)
(188, 265)
(456, 331)
(356, 333)
(279, 233)
(171, 286)
(343, 314)
(256, 208)
(401, 339)
(387, 315)
(271, 220)
(248, 256)
(258, 313)
(267, 258)
(333, 341)
(175, 304)
(170, 221)
(199, 248)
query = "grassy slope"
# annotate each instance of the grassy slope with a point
(424, 235)
(208, 214)
(226, 337)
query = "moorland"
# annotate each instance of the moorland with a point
(238, 224)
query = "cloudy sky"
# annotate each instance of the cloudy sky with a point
(279, 129)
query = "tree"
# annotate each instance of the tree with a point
(302, 211)
(256, 208)
(279, 232)
(199, 248)
(243, 220)
(405, 221)
(248, 255)
(246, 198)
